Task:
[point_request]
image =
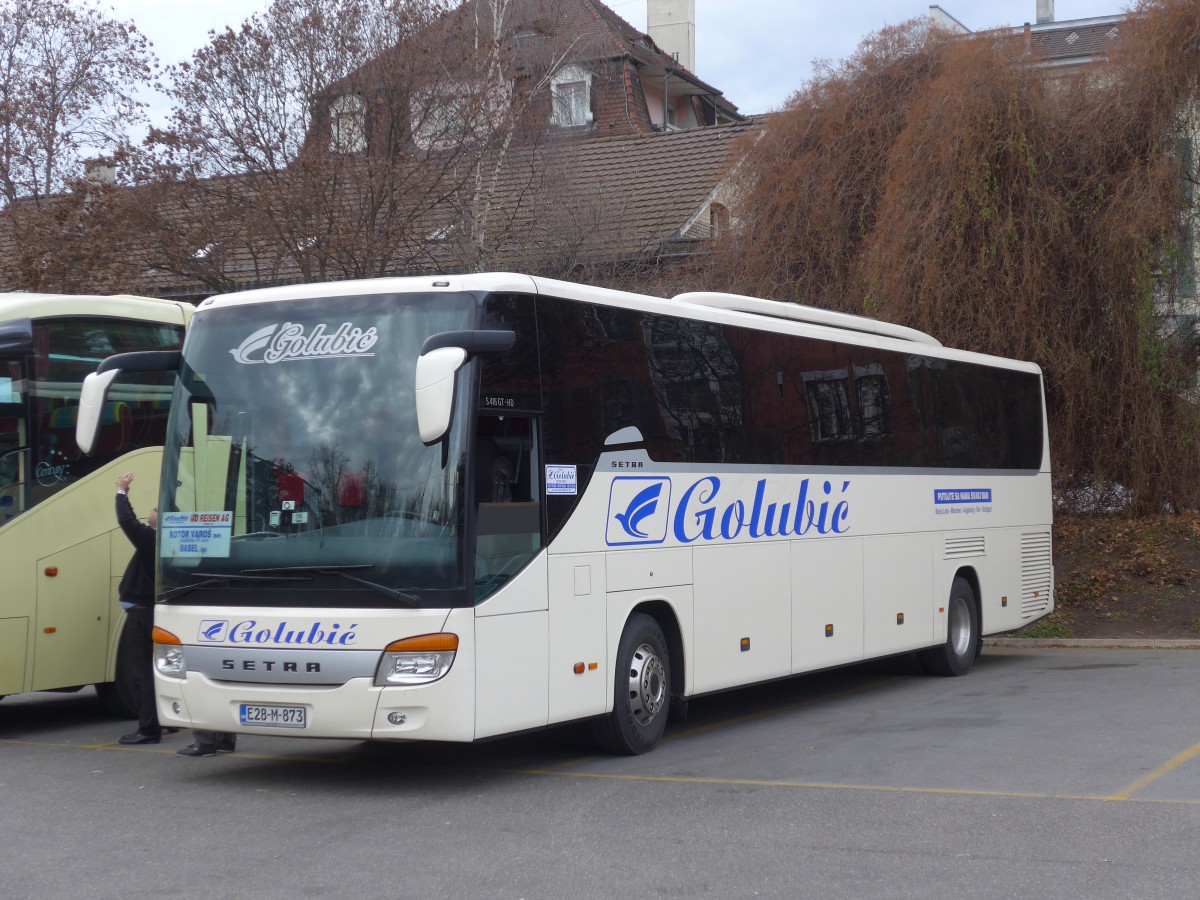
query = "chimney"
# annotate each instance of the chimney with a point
(1045, 11)
(100, 171)
(672, 25)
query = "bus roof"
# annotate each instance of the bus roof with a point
(123, 306)
(753, 312)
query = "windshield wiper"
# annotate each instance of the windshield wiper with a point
(219, 578)
(343, 571)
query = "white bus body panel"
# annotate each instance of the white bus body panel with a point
(443, 710)
(827, 603)
(898, 594)
(742, 592)
(882, 585)
(578, 602)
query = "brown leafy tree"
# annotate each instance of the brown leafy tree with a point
(949, 185)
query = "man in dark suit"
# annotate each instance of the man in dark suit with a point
(137, 596)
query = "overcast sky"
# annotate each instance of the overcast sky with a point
(757, 52)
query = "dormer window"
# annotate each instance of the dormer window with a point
(348, 124)
(571, 96)
(457, 115)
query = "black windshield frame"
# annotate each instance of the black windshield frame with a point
(315, 458)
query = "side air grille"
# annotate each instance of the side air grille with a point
(1037, 573)
(964, 547)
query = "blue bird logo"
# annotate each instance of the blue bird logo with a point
(640, 507)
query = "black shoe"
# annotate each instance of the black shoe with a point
(170, 731)
(140, 737)
(197, 750)
(226, 742)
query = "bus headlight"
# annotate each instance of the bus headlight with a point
(416, 660)
(168, 654)
(168, 660)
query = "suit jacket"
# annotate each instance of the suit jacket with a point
(137, 584)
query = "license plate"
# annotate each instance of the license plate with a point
(273, 716)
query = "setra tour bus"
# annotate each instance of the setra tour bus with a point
(61, 551)
(449, 508)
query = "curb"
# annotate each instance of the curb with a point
(1096, 643)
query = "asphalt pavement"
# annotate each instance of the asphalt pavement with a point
(1048, 772)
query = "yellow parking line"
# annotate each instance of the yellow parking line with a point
(564, 770)
(817, 785)
(1169, 766)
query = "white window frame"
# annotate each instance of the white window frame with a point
(348, 124)
(571, 109)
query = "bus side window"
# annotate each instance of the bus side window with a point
(508, 515)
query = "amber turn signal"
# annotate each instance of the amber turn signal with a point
(424, 643)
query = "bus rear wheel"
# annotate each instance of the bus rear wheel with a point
(962, 634)
(641, 692)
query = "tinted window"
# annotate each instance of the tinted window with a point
(135, 416)
(706, 393)
(512, 382)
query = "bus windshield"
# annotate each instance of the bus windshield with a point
(294, 474)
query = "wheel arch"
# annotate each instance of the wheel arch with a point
(971, 575)
(663, 613)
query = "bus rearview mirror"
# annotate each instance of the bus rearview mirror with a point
(92, 397)
(434, 390)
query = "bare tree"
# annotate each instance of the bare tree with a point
(69, 76)
(288, 131)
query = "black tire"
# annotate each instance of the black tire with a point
(641, 690)
(119, 697)
(962, 634)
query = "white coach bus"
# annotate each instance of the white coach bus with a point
(449, 508)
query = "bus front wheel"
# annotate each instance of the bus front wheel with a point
(642, 690)
(955, 656)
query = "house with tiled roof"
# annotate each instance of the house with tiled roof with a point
(566, 68)
(619, 158)
(1063, 48)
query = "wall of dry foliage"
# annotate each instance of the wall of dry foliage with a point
(950, 186)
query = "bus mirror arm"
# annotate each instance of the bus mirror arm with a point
(94, 393)
(442, 355)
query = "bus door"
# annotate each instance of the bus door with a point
(14, 455)
(511, 633)
(507, 498)
(14, 439)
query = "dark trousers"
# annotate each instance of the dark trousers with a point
(214, 740)
(140, 621)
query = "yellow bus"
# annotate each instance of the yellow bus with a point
(61, 552)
